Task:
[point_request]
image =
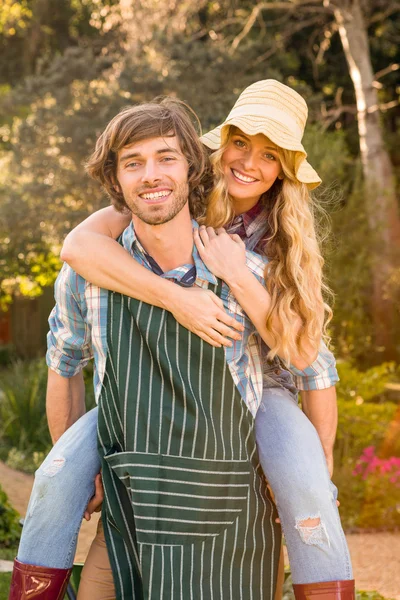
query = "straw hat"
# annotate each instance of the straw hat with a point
(277, 111)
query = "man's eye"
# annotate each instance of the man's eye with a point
(168, 158)
(132, 164)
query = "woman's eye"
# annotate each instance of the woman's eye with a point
(270, 156)
(239, 143)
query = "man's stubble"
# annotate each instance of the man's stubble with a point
(158, 214)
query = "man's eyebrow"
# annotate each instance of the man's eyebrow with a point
(138, 155)
(247, 138)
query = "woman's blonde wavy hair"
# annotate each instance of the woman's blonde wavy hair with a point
(293, 274)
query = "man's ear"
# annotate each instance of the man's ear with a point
(115, 184)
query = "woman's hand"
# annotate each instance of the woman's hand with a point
(202, 312)
(223, 254)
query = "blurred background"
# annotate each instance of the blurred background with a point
(68, 66)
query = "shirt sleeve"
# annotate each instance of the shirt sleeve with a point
(69, 346)
(320, 375)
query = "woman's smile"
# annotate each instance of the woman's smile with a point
(242, 177)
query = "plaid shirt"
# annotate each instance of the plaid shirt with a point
(78, 323)
(252, 226)
(78, 328)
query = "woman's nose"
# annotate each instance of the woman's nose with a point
(249, 161)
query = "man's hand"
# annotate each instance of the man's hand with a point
(202, 312)
(97, 500)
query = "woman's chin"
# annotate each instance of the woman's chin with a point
(238, 193)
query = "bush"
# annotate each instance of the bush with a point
(361, 425)
(23, 406)
(7, 354)
(364, 386)
(24, 435)
(10, 529)
(25, 461)
(381, 507)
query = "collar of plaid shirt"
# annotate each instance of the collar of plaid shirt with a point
(252, 227)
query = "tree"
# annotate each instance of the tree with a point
(350, 18)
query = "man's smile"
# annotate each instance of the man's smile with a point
(155, 196)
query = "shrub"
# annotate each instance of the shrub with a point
(381, 506)
(361, 425)
(10, 529)
(23, 406)
(364, 385)
(7, 354)
(23, 422)
(25, 461)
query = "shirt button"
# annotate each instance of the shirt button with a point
(277, 371)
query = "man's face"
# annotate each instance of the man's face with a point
(153, 177)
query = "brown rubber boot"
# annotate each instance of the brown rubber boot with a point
(327, 590)
(38, 583)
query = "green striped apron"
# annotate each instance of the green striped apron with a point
(187, 513)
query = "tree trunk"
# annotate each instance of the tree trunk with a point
(380, 194)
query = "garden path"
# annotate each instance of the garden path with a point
(376, 556)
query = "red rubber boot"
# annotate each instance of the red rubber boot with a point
(38, 583)
(327, 590)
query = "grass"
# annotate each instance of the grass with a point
(5, 579)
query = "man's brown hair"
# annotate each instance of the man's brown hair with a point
(162, 117)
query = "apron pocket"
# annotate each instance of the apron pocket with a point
(179, 500)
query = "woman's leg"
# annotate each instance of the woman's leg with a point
(63, 486)
(294, 463)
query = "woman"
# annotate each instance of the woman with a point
(261, 190)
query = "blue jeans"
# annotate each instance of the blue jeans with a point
(290, 454)
(294, 464)
(64, 484)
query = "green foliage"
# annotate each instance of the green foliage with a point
(7, 354)
(349, 262)
(24, 461)
(5, 582)
(364, 385)
(24, 435)
(360, 426)
(372, 500)
(10, 529)
(23, 423)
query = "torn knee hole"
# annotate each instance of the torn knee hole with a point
(312, 531)
(310, 522)
(54, 467)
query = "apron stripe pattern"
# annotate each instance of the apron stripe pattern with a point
(187, 512)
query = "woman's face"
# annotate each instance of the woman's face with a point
(251, 165)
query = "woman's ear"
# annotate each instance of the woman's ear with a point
(281, 175)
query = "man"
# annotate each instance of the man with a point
(187, 511)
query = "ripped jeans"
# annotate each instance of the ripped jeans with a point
(294, 464)
(290, 454)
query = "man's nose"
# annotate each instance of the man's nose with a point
(151, 172)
